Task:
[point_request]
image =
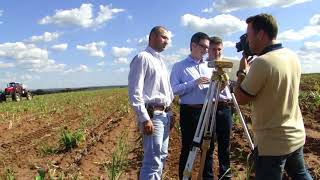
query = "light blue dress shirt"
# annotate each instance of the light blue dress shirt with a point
(183, 81)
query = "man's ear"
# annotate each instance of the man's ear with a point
(193, 45)
(262, 35)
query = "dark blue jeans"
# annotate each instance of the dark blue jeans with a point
(189, 118)
(272, 167)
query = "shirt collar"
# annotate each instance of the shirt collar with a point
(271, 48)
(153, 52)
(190, 59)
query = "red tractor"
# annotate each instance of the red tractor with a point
(16, 91)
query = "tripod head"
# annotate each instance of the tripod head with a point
(220, 64)
(219, 74)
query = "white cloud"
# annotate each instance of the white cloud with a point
(121, 60)
(46, 37)
(26, 77)
(29, 57)
(130, 17)
(315, 19)
(121, 54)
(60, 47)
(143, 41)
(227, 6)
(102, 63)
(229, 44)
(82, 16)
(6, 65)
(220, 25)
(179, 55)
(94, 48)
(306, 32)
(81, 68)
(121, 70)
(121, 51)
(309, 56)
(105, 14)
(311, 46)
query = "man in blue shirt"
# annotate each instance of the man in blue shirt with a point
(190, 80)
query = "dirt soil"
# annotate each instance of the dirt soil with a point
(19, 147)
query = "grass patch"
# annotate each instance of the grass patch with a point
(119, 161)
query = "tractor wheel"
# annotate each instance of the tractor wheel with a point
(16, 97)
(2, 97)
(29, 96)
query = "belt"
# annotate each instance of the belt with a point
(195, 106)
(224, 103)
(199, 106)
(158, 107)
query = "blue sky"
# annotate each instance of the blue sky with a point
(58, 44)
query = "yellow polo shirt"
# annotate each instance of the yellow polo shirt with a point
(277, 123)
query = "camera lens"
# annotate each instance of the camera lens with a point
(239, 47)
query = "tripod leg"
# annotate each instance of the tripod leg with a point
(209, 129)
(204, 117)
(242, 121)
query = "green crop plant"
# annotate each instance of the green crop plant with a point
(119, 160)
(41, 175)
(236, 119)
(69, 140)
(10, 174)
(249, 166)
(46, 149)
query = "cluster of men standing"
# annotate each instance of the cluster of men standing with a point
(275, 70)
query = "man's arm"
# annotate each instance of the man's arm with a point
(242, 96)
(135, 87)
(180, 88)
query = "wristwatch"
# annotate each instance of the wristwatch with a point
(241, 72)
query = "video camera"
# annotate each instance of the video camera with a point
(243, 45)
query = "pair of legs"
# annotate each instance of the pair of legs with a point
(189, 118)
(155, 147)
(272, 167)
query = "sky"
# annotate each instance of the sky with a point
(77, 43)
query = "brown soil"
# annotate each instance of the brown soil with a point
(20, 147)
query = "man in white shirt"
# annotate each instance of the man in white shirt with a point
(150, 95)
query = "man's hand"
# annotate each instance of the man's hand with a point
(244, 63)
(148, 127)
(203, 80)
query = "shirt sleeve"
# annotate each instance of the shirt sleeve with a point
(136, 78)
(256, 77)
(179, 87)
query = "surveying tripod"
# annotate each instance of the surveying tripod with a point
(207, 120)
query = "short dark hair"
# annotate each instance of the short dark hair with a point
(156, 30)
(197, 37)
(215, 40)
(265, 22)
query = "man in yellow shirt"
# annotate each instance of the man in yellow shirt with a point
(272, 85)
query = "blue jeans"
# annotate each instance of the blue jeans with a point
(272, 167)
(155, 147)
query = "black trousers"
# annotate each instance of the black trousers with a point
(189, 118)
